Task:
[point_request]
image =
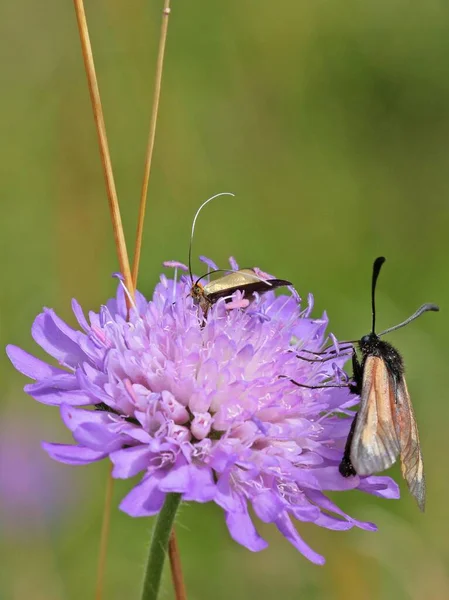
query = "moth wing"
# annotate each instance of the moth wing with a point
(375, 444)
(234, 280)
(245, 280)
(412, 466)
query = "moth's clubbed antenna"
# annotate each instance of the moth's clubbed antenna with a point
(421, 310)
(376, 270)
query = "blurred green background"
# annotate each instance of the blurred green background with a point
(330, 122)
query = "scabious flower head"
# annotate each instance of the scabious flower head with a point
(204, 407)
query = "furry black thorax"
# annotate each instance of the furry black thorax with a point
(372, 345)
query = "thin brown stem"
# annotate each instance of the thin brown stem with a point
(104, 537)
(151, 138)
(119, 236)
(103, 144)
(176, 568)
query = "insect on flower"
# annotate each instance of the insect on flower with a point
(248, 281)
(201, 411)
(385, 425)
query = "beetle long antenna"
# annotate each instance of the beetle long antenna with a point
(376, 270)
(193, 226)
(421, 310)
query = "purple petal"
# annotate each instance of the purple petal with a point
(91, 429)
(202, 486)
(122, 308)
(233, 263)
(242, 529)
(330, 479)
(308, 310)
(141, 302)
(29, 365)
(310, 332)
(93, 391)
(305, 512)
(117, 306)
(79, 314)
(285, 526)
(74, 418)
(130, 461)
(222, 458)
(224, 496)
(57, 339)
(61, 388)
(267, 506)
(194, 482)
(145, 500)
(208, 262)
(174, 264)
(72, 455)
(177, 480)
(138, 434)
(326, 504)
(384, 487)
(332, 523)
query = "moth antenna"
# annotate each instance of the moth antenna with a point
(193, 226)
(376, 270)
(421, 310)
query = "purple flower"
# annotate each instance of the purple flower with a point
(200, 407)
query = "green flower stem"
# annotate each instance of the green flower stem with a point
(158, 547)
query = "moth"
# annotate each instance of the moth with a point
(385, 426)
(245, 280)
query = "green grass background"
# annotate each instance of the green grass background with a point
(330, 123)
